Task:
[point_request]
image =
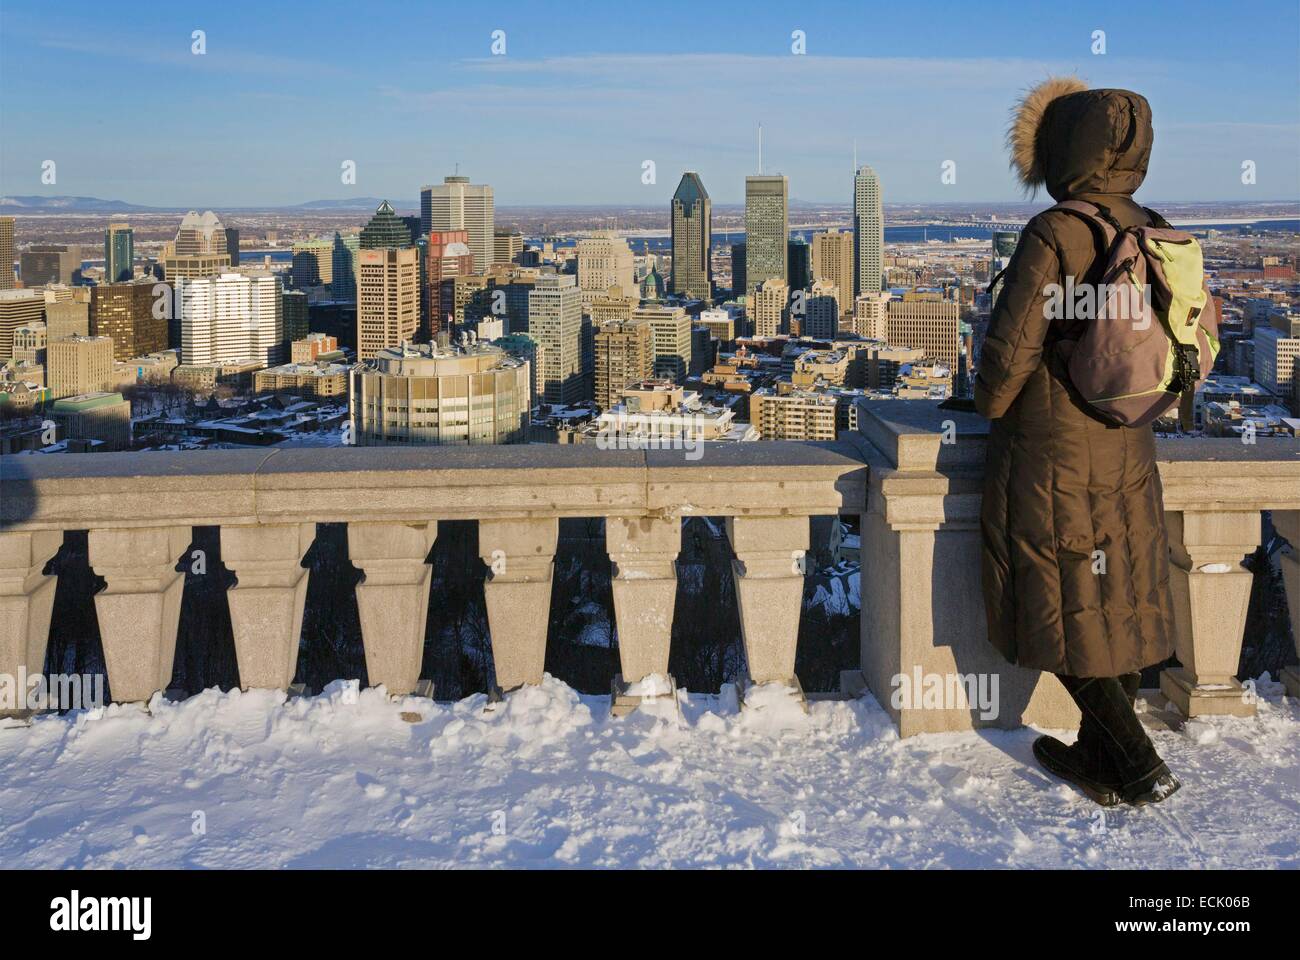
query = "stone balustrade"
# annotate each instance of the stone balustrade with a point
(912, 472)
(921, 598)
(140, 509)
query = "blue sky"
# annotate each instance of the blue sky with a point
(585, 93)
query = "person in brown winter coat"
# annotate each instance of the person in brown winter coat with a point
(1075, 554)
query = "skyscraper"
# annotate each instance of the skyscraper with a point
(343, 283)
(50, 263)
(555, 322)
(200, 234)
(798, 259)
(78, 365)
(767, 228)
(604, 262)
(738, 285)
(199, 249)
(313, 262)
(670, 339)
(125, 312)
(233, 318)
(507, 245)
(18, 308)
(6, 253)
(692, 230)
(868, 232)
(869, 315)
(388, 297)
(447, 256)
(119, 252)
(623, 357)
(457, 204)
(1277, 355)
(385, 230)
(931, 323)
(67, 318)
(769, 307)
(832, 263)
(821, 313)
(297, 316)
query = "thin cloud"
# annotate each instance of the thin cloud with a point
(218, 57)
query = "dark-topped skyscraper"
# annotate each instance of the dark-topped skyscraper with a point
(388, 284)
(868, 232)
(692, 227)
(386, 230)
(767, 229)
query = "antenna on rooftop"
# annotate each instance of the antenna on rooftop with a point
(855, 155)
(760, 149)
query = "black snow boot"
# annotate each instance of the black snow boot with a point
(1077, 765)
(1087, 763)
(1131, 763)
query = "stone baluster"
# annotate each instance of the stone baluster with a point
(26, 602)
(1287, 523)
(140, 608)
(1210, 590)
(393, 599)
(266, 605)
(769, 575)
(520, 555)
(643, 551)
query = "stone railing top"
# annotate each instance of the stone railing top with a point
(211, 487)
(1198, 473)
(910, 434)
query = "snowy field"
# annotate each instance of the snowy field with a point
(352, 779)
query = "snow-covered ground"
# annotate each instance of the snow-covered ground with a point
(351, 779)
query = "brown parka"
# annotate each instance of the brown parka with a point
(1075, 554)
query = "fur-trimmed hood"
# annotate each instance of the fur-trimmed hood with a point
(1075, 141)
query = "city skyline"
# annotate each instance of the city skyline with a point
(588, 102)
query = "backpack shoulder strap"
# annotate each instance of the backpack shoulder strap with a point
(1156, 219)
(1099, 222)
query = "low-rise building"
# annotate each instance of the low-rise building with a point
(787, 413)
(310, 347)
(105, 417)
(313, 379)
(1231, 418)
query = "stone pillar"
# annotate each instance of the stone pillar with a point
(393, 599)
(643, 551)
(26, 602)
(924, 627)
(140, 608)
(1210, 590)
(769, 575)
(266, 604)
(1287, 523)
(520, 555)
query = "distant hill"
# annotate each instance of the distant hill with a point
(35, 204)
(351, 203)
(38, 204)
